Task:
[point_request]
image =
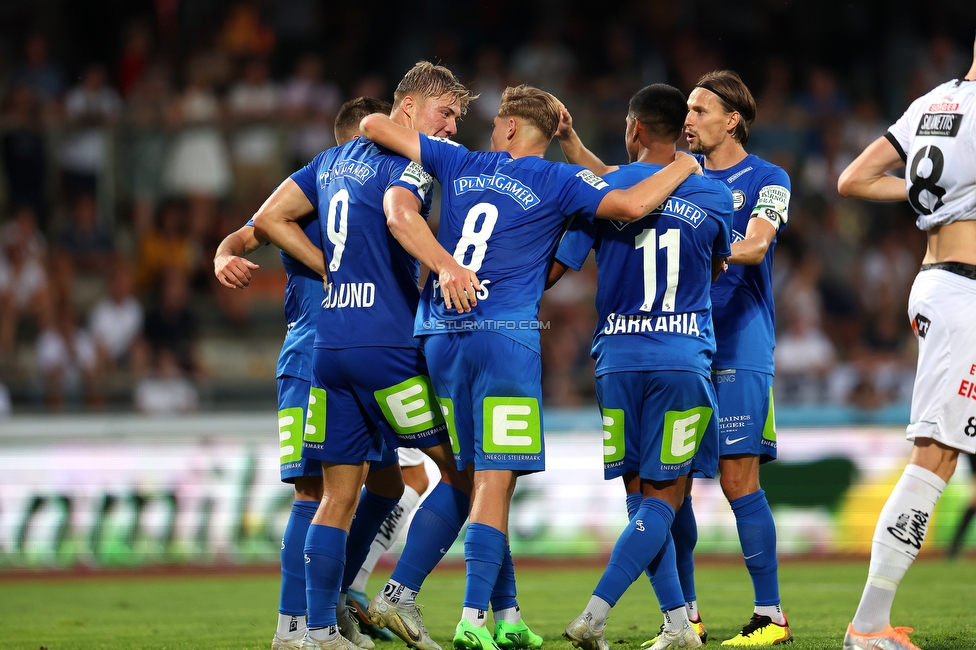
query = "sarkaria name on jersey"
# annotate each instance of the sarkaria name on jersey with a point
(350, 295)
(500, 183)
(354, 169)
(683, 323)
(415, 175)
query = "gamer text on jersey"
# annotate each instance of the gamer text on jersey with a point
(349, 294)
(500, 183)
(684, 323)
(355, 169)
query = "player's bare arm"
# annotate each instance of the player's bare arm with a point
(384, 131)
(752, 249)
(573, 148)
(719, 266)
(867, 177)
(458, 284)
(638, 201)
(556, 270)
(276, 221)
(232, 269)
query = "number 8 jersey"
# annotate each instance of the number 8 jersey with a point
(372, 293)
(501, 217)
(936, 138)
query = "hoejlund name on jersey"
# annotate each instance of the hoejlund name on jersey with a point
(349, 294)
(684, 323)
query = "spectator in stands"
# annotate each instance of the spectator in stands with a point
(170, 324)
(143, 145)
(116, 323)
(24, 287)
(198, 162)
(134, 58)
(90, 108)
(36, 71)
(67, 359)
(309, 104)
(165, 246)
(167, 389)
(89, 245)
(253, 102)
(24, 150)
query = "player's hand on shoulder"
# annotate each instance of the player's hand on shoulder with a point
(233, 272)
(459, 286)
(686, 160)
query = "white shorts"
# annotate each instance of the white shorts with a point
(942, 308)
(410, 457)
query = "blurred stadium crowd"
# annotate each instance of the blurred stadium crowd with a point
(134, 136)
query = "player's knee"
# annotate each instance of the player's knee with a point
(736, 485)
(416, 478)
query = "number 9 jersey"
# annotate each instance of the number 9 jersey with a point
(372, 293)
(936, 138)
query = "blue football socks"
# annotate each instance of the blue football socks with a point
(371, 512)
(636, 547)
(484, 552)
(292, 601)
(325, 555)
(684, 530)
(757, 535)
(434, 529)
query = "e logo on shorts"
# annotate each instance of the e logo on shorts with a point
(290, 434)
(447, 410)
(683, 431)
(512, 425)
(410, 406)
(315, 419)
(613, 435)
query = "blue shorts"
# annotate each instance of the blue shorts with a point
(292, 400)
(661, 424)
(367, 401)
(490, 391)
(747, 424)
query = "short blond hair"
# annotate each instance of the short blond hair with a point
(425, 80)
(530, 103)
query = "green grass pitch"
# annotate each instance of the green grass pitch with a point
(216, 612)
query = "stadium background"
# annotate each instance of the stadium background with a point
(135, 135)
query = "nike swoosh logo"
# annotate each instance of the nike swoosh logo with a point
(749, 557)
(730, 441)
(407, 626)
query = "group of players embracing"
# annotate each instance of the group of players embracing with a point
(372, 367)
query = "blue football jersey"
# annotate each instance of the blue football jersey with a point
(303, 295)
(501, 217)
(742, 299)
(654, 276)
(372, 294)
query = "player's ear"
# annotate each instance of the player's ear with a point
(636, 131)
(408, 106)
(733, 121)
(512, 127)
